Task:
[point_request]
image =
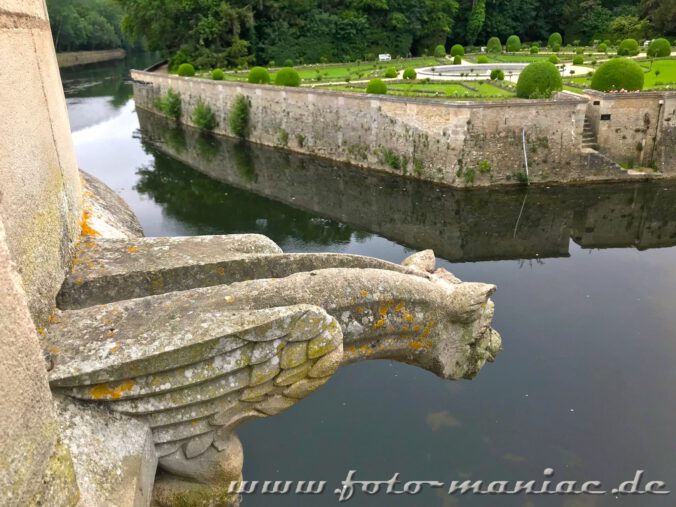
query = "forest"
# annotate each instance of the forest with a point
(236, 33)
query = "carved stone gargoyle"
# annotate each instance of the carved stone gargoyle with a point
(193, 336)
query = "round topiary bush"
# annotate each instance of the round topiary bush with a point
(578, 60)
(554, 59)
(513, 43)
(555, 39)
(482, 59)
(659, 48)
(391, 73)
(579, 51)
(288, 62)
(457, 50)
(410, 73)
(534, 50)
(440, 51)
(287, 77)
(555, 48)
(618, 74)
(628, 47)
(259, 75)
(603, 47)
(186, 70)
(457, 60)
(376, 86)
(217, 75)
(494, 45)
(538, 80)
(497, 75)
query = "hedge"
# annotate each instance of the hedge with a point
(538, 80)
(618, 74)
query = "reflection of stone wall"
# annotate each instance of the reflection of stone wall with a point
(460, 144)
(459, 225)
(641, 129)
(39, 214)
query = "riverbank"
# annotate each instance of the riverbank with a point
(458, 144)
(75, 58)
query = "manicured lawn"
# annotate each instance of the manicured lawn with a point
(662, 75)
(472, 90)
(524, 58)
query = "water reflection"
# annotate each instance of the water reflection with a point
(460, 226)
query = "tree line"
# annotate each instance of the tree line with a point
(216, 33)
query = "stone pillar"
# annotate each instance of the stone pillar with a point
(40, 195)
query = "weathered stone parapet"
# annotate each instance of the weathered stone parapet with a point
(461, 144)
(74, 58)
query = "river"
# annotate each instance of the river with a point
(586, 305)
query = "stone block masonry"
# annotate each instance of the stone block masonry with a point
(455, 143)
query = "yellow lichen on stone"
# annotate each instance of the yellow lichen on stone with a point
(132, 249)
(105, 391)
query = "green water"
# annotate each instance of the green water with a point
(586, 282)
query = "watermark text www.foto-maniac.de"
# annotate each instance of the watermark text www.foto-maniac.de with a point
(351, 486)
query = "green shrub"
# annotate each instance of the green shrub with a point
(259, 75)
(628, 47)
(391, 72)
(482, 59)
(289, 62)
(392, 159)
(410, 73)
(555, 48)
(170, 104)
(618, 74)
(578, 60)
(457, 60)
(555, 39)
(440, 51)
(457, 50)
(204, 117)
(494, 45)
(539, 80)
(186, 70)
(603, 47)
(239, 116)
(513, 44)
(534, 50)
(497, 75)
(659, 48)
(217, 75)
(553, 59)
(579, 51)
(376, 86)
(287, 77)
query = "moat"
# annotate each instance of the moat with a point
(585, 297)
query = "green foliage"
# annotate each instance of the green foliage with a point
(239, 116)
(485, 166)
(186, 70)
(618, 74)
(578, 60)
(283, 137)
(410, 73)
(287, 77)
(628, 47)
(391, 72)
(513, 44)
(475, 23)
(392, 159)
(170, 104)
(534, 50)
(82, 25)
(555, 48)
(579, 51)
(659, 48)
(553, 59)
(482, 59)
(204, 117)
(259, 75)
(555, 39)
(440, 51)
(376, 86)
(457, 50)
(522, 178)
(538, 80)
(457, 60)
(217, 75)
(603, 47)
(497, 75)
(494, 45)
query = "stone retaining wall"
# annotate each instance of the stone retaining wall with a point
(72, 59)
(455, 143)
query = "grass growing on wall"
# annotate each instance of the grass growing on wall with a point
(204, 117)
(239, 116)
(170, 104)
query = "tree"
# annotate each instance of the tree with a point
(79, 25)
(476, 21)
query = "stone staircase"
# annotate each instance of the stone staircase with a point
(588, 136)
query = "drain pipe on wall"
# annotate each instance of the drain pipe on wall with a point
(658, 129)
(525, 155)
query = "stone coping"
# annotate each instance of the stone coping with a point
(148, 77)
(631, 95)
